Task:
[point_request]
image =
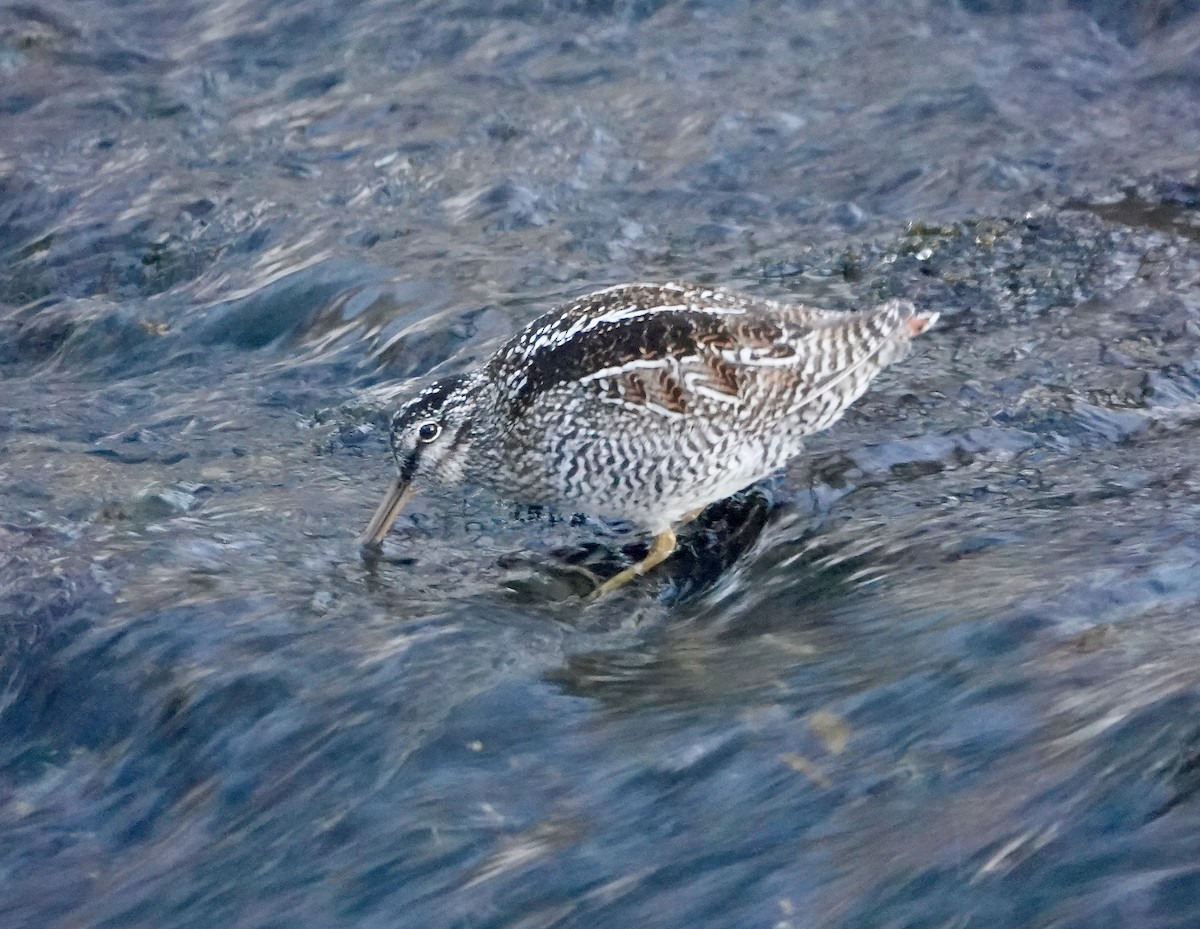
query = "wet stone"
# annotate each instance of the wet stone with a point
(1175, 393)
(171, 501)
(135, 456)
(937, 451)
(1110, 425)
(996, 442)
(31, 489)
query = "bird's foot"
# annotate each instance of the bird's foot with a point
(664, 544)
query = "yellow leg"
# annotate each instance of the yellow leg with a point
(664, 544)
(660, 550)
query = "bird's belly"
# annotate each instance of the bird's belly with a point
(653, 477)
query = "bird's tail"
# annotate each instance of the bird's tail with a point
(852, 349)
(891, 326)
(916, 323)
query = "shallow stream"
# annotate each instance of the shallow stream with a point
(943, 672)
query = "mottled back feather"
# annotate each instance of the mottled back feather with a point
(667, 348)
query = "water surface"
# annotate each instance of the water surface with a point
(942, 672)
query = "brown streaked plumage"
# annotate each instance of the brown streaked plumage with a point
(644, 402)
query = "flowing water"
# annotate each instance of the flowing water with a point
(943, 672)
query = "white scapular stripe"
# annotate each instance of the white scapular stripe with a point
(641, 364)
(620, 314)
(695, 383)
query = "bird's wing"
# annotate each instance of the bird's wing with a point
(664, 349)
(670, 362)
(640, 346)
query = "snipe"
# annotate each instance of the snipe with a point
(643, 402)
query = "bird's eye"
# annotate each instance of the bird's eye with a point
(428, 432)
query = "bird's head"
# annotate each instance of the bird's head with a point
(430, 439)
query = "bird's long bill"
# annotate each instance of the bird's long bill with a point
(397, 495)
